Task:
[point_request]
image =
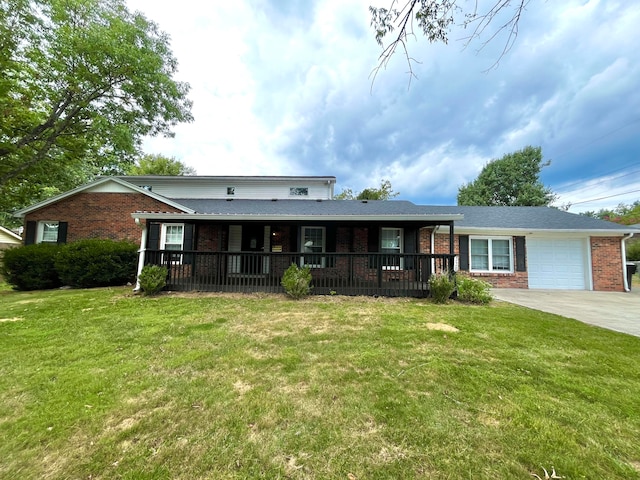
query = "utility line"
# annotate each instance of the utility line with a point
(571, 204)
(599, 183)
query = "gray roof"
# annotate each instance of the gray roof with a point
(514, 218)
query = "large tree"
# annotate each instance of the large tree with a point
(513, 180)
(83, 81)
(385, 192)
(160, 165)
(435, 18)
(623, 213)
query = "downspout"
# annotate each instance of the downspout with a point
(141, 252)
(627, 287)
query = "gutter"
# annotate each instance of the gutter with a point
(627, 287)
(281, 217)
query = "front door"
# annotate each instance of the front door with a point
(252, 241)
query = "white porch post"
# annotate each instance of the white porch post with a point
(141, 252)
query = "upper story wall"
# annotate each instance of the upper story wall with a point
(304, 188)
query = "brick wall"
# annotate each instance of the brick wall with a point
(100, 215)
(606, 258)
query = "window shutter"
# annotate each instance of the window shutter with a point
(153, 239)
(410, 247)
(330, 244)
(521, 259)
(373, 241)
(62, 232)
(30, 233)
(464, 251)
(189, 235)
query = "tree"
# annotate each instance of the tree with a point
(513, 180)
(385, 192)
(435, 19)
(623, 214)
(83, 81)
(160, 165)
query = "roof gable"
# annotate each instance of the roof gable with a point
(103, 185)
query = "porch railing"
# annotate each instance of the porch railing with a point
(340, 273)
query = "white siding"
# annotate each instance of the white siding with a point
(253, 188)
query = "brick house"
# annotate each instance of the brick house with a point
(241, 233)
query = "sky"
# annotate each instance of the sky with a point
(285, 87)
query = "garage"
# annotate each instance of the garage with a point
(557, 263)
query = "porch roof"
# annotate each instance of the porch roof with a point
(291, 210)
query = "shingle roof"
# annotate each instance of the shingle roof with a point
(534, 218)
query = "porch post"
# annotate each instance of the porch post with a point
(141, 252)
(452, 246)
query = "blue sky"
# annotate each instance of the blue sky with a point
(284, 88)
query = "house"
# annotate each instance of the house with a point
(8, 238)
(241, 233)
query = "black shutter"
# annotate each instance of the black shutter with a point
(189, 236)
(373, 241)
(30, 233)
(153, 239)
(330, 245)
(410, 247)
(62, 232)
(521, 259)
(464, 251)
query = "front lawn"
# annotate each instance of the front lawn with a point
(101, 384)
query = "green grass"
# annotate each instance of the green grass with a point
(101, 384)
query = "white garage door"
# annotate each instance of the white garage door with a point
(560, 264)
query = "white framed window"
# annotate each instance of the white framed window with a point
(313, 246)
(391, 241)
(299, 191)
(47, 232)
(491, 254)
(172, 238)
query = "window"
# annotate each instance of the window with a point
(491, 254)
(48, 232)
(299, 191)
(391, 242)
(231, 190)
(313, 244)
(172, 238)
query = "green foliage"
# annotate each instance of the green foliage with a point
(31, 267)
(473, 290)
(385, 192)
(97, 263)
(82, 83)
(633, 251)
(160, 165)
(297, 281)
(622, 214)
(513, 180)
(441, 287)
(153, 278)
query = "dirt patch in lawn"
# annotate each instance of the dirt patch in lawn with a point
(442, 327)
(14, 319)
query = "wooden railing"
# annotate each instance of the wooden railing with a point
(332, 273)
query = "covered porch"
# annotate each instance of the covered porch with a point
(384, 252)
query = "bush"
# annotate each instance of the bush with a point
(97, 263)
(633, 251)
(31, 267)
(153, 278)
(297, 281)
(474, 290)
(441, 287)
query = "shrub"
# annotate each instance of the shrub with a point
(441, 287)
(97, 263)
(474, 290)
(297, 281)
(31, 267)
(633, 251)
(153, 278)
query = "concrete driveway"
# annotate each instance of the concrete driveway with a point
(612, 310)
